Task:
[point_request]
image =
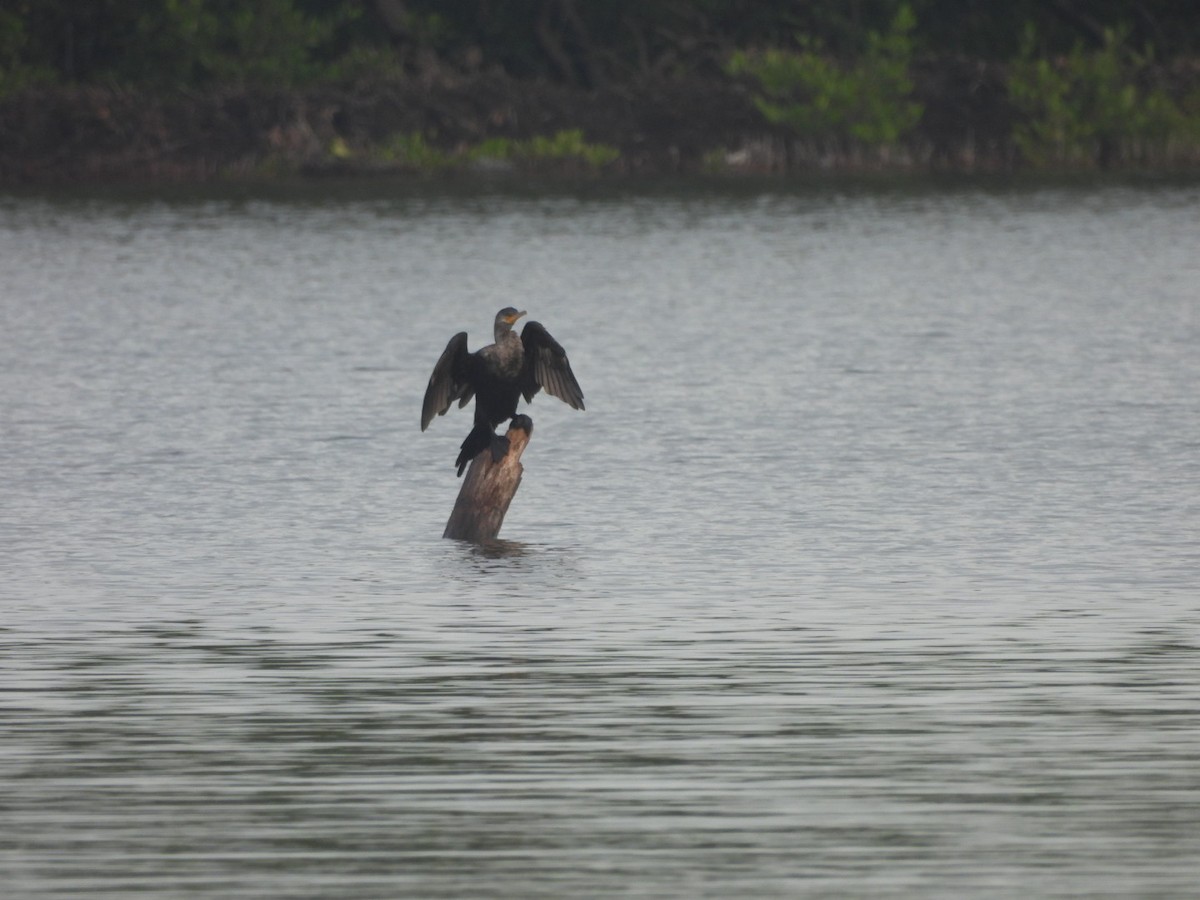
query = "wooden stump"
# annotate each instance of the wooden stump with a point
(488, 489)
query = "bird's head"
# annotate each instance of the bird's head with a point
(508, 316)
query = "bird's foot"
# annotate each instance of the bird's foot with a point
(499, 447)
(522, 422)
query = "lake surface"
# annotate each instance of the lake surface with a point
(872, 568)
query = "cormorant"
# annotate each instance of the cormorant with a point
(496, 376)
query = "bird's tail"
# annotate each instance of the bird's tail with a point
(481, 438)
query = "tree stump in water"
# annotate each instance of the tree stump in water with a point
(488, 488)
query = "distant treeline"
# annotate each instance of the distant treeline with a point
(202, 88)
(583, 43)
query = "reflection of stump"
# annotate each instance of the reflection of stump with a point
(488, 488)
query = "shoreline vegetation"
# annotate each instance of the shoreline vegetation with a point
(224, 90)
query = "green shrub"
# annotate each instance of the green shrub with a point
(814, 95)
(202, 41)
(563, 146)
(568, 145)
(412, 150)
(494, 148)
(15, 73)
(1092, 105)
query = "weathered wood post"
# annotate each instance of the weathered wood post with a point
(488, 489)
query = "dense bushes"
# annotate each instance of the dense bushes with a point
(1098, 105)
(1079, 83)
(868, 100)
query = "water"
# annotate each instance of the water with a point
(872, 569)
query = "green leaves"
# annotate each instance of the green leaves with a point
(267, 42)
(868, 101)
(15, 73)
(563, 151)
(566, 145)
(1091, 105)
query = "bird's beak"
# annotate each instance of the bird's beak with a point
(513, 318)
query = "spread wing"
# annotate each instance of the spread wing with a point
(449, 381)
(546, 366)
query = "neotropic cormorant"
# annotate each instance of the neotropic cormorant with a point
(496, 376)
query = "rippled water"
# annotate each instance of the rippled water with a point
(873, 567)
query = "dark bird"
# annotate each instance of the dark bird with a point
(497, 376)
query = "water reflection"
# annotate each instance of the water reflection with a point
(499, 548)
